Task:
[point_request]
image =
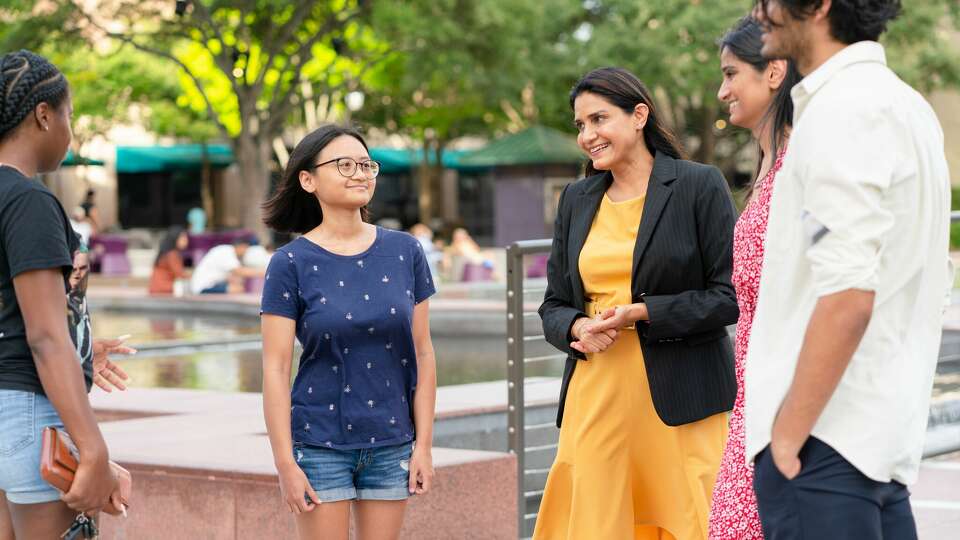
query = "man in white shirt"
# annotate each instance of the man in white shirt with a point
(847, 330)
(221, 269)
(81, 225)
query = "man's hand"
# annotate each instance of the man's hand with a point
(106, 374)
(785, 456)
(832, 336)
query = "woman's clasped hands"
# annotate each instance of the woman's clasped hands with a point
(597, 334)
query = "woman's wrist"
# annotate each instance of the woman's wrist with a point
(284, 463)
(637, 312)
(577, 326)
(423, 447)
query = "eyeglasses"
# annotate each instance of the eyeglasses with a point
(348, 167)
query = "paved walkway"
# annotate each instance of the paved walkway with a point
(936, 498)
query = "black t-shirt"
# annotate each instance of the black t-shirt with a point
(35, 234)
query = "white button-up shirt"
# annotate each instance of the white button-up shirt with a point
(862, 202)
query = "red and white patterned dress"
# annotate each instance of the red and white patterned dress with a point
(733, 512)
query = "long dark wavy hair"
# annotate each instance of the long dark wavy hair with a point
(291, 209)
(625, 91)
(744, 41)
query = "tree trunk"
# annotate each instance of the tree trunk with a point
(206, 185)
(436, 174)
(253, 161)
(708, 135)
(430, 176)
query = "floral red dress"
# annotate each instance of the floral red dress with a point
(733, 512)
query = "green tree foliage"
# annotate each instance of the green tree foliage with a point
(461, 67)
(245, 64)
(105, 84)
(433, 70)
(672, 46)
(106, 87)
(26, 25)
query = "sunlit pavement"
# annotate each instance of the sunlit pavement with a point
(936, 498)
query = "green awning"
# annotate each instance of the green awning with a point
(140, 159)
(73, 160)
(537, 145)
(397, 160)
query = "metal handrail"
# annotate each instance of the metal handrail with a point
(516, 362)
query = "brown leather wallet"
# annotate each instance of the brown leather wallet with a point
(59, 460)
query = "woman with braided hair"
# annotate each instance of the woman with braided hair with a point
(43, 380)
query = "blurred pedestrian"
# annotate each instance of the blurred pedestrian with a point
(221, 270)
(90, 211)
(197, 218)
(81, 224)
(168, 266)
(424, 235)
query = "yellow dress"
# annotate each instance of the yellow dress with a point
(620, 472)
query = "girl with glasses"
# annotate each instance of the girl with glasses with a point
(358, 422)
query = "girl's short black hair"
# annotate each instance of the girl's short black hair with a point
(26, 80)
(850, 20)
(291, 209)
(625, 91)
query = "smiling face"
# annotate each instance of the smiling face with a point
(333, 188)
(609, 136)
(745, 90)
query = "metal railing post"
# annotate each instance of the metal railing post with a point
(515, 374)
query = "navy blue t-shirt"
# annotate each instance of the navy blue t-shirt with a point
(354, 314)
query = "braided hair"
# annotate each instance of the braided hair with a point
(26, 80)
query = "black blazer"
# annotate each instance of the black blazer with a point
(681, 268)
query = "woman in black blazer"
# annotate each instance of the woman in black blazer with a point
(639, 297)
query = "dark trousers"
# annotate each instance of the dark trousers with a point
(829, 499)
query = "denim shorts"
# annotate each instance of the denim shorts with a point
(371, 474)
(23, 415)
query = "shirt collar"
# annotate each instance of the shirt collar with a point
(862, 51)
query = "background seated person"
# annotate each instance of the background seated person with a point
(168, 266)
(220, 270)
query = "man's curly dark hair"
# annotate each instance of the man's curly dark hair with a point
(850, 20)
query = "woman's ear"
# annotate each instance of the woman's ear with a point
(776, 73)
(640, 114)
(42, 114)
(307, 182)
